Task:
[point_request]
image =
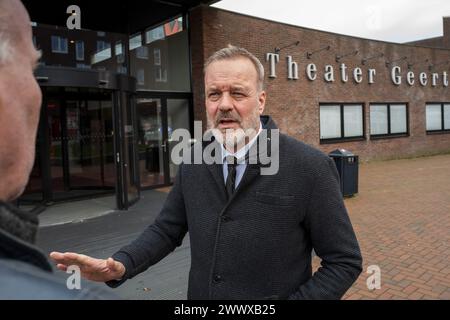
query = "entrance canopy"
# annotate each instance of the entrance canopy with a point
(110, 16)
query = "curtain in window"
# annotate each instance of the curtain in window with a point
(330, 121)
(353, 122)
(446, 116)
(433, 117)
(398, 118)
(378, 119)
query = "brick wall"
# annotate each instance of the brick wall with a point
(446, 33)
(294, 104)
(437, 42)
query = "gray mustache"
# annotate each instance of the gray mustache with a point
(227, 115)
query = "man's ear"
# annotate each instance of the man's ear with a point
(261, 101)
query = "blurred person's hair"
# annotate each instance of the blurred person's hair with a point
(6, 31)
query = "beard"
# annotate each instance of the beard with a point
(234, 139)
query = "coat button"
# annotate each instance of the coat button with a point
(226, 218)
(217, 278)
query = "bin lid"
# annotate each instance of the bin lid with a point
(341, 153)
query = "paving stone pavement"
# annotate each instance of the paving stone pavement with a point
(401, 217)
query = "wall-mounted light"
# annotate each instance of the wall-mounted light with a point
(339, 57)
(309, 54)
(278, 49)
(364, 61)
(410, 65)
(431, 66)
(389, 63)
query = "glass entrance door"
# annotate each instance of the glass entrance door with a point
(151, 148)
(89, 142)
(158, 116)
(75, 149)
(86, 142)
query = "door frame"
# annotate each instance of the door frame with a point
(164, 96)
(124, 100)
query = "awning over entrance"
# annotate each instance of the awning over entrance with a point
(111, 16)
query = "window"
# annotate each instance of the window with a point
(330, 122)
(157, 57)
(140, 77)
(103, 52)
(119, 48)
(121, 70)
(59, 44)
(135, 41)
(388, 119)
(353, 121)
(79, 50)
(102, 45)
(152, 49)
(341, 121)
(160, 74)
(154, 34)
(172, 27)
(438, 117)
(142, 53)
(83, 66)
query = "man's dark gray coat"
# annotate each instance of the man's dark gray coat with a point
(258, 244)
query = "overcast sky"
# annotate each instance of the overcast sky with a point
(387, 20)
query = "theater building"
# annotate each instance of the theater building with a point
(115, 90)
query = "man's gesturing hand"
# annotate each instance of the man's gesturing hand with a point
(92, 269)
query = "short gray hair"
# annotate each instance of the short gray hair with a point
(5, 40)
(233, 52)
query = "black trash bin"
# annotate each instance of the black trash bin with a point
(347, 166)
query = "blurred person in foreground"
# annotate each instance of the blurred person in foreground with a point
(25, 272)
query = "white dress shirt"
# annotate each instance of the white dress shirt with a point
(239, 155)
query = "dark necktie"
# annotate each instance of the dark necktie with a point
(231, 178)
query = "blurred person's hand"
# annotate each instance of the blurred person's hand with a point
(100, 270)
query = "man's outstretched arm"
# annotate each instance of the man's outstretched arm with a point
(158, 239)
(154, 243)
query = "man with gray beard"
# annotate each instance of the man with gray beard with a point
(251, 234)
